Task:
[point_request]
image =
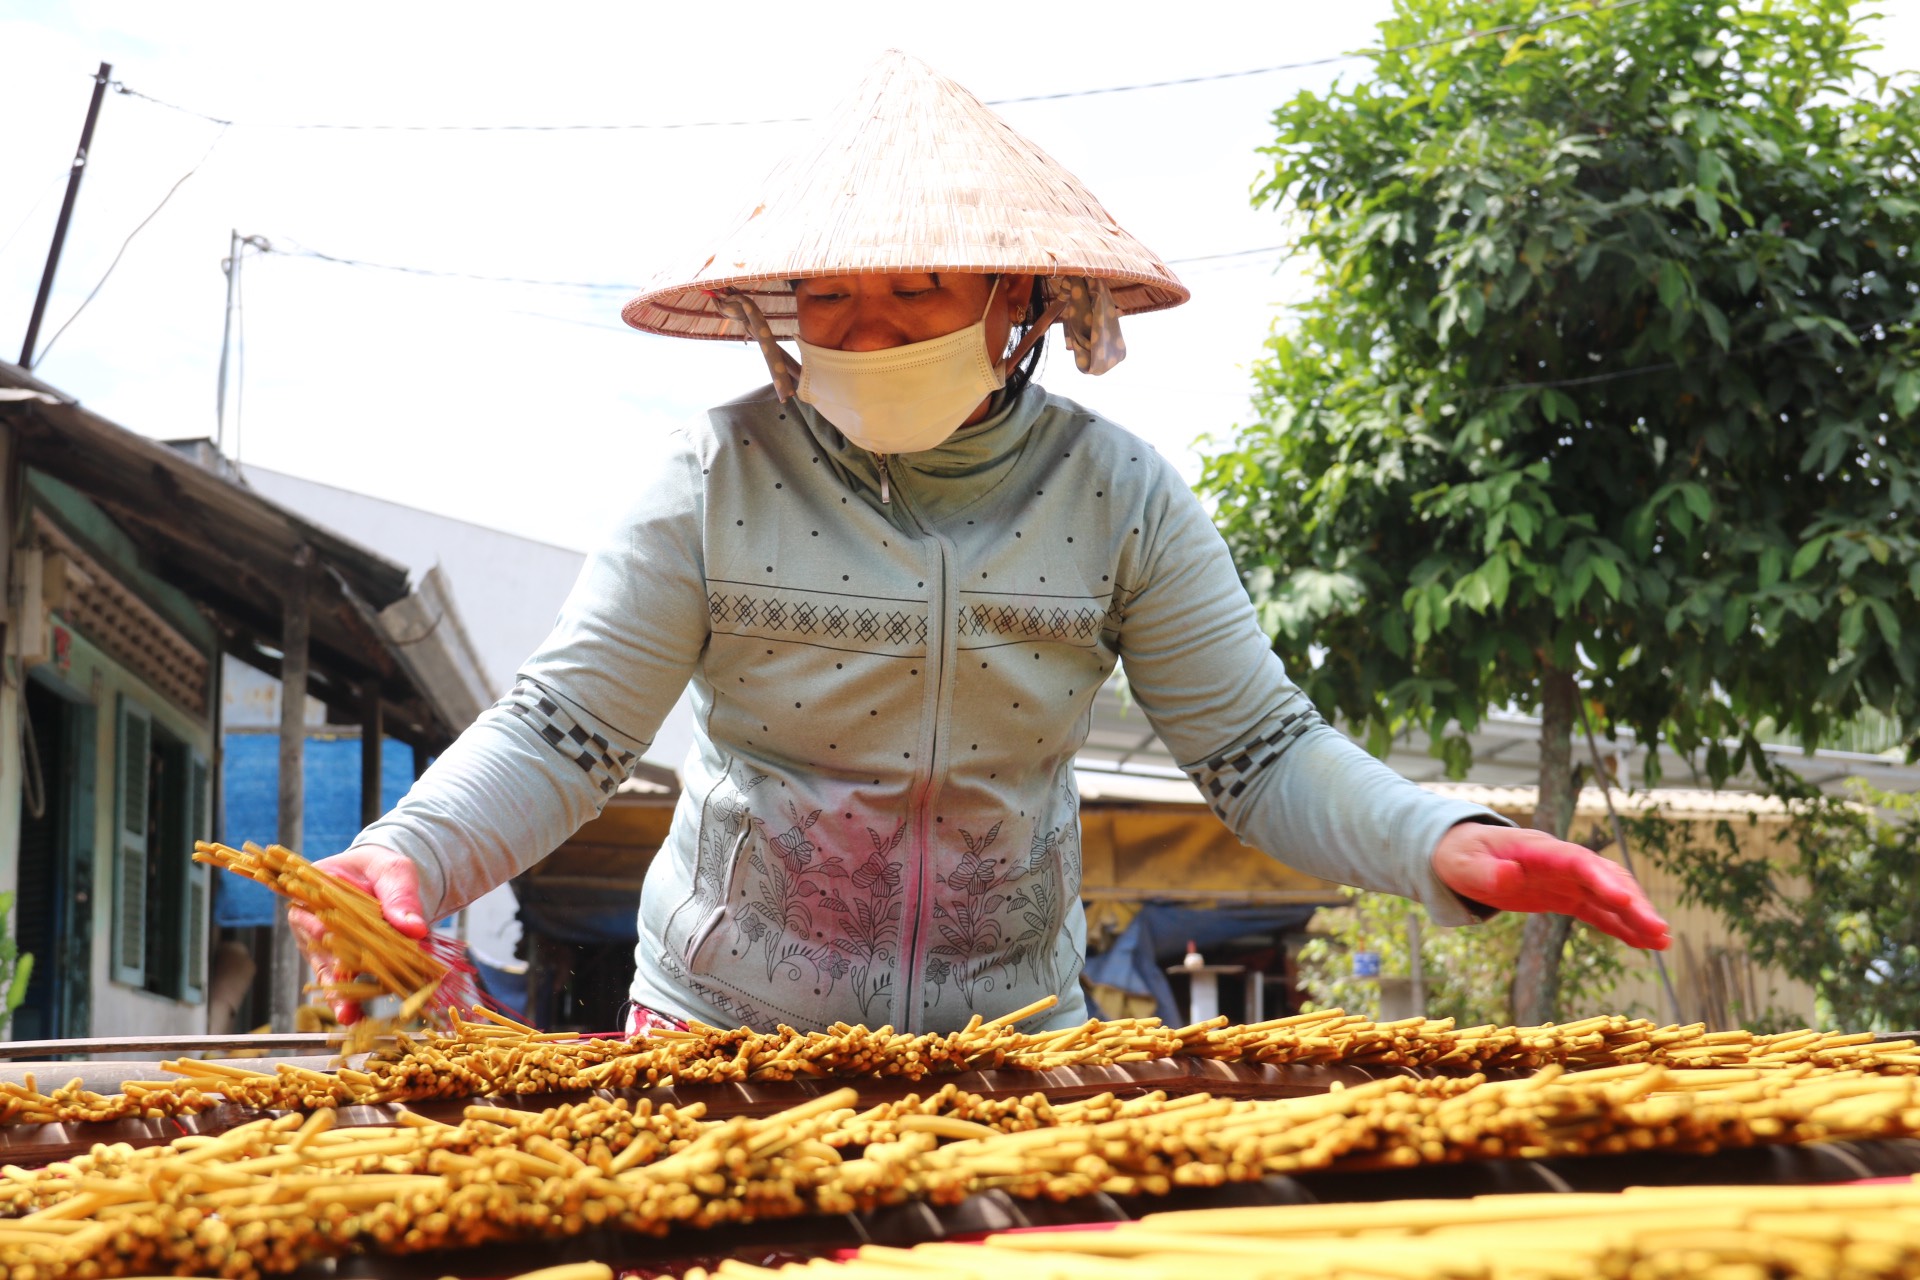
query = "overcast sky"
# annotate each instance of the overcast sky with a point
(527, 407)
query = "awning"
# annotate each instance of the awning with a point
(202, 530)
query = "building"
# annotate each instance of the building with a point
(510, 590)
(131, 571)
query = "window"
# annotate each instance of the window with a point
(160, 894)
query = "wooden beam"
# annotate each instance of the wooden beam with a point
(108, 462)
(287, 964)
(233, 588)
(372, 733)
(172, 1046)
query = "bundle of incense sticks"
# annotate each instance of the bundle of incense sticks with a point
(288, 1190)
(498, 1055)
(1656, 1233)
(431, 977)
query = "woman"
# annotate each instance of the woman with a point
(896, 579)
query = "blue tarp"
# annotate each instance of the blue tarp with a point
(1158, 937)
(250, 807)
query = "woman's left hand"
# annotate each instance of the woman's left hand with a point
(1516, 869)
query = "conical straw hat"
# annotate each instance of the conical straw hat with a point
(913, 173)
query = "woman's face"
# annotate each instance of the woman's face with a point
(874, 312)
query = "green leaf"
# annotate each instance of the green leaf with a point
(1524, 524)
(1716, 323)
(1474, 316)
(1698, 500)
(1673, 283)
(1770, 565)
(1706, 207)
(1474, 592)
(1906, 393)
(1680, 515)
(1734, 623)
(17, 989)
(1499, 579)
(1609, 574)
(1889, 622)
(1806, 557)
(1583, 577)
(1709, 170)
(1853, 625)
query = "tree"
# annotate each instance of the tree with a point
(1605, 400)
(1837, 914)
(16, 967)
(1466, 970)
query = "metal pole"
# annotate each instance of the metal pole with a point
(1417, 966)
(372, 732)
(66, 215)
(232, 267)
(288, 970)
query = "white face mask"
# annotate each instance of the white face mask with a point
(902, 399)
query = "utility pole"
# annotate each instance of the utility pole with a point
(237, 246)
(287, 968)
(66, 215)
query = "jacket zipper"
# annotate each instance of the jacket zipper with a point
(885, 497)
(923, 838)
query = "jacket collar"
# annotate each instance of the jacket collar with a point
(980, 451)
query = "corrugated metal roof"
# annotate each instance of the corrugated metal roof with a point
(1102, 787)
(239, 554)
(1506, 753)
(1675, 802)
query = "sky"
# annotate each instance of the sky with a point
(530, 408)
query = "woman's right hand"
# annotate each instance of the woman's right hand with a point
(394, 882)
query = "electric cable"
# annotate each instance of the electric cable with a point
(41, 355)
(301, 251)
(59, 181)
(1585, 11)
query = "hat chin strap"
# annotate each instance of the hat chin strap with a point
(1036, 331)
(744, 311)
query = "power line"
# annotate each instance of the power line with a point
(122, 87)
(178, 183)
(1535, 25)
(300, 251)
(59, 181)
(1231, 253)
(1585, 11)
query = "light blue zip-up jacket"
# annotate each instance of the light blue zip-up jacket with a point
(878, 820)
